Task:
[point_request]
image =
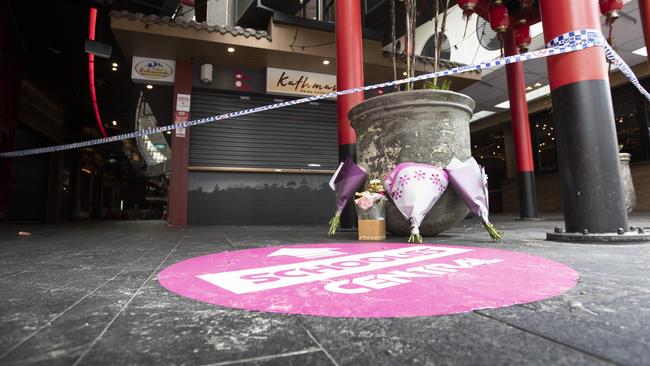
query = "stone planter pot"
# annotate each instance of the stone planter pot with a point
(422, 126)
(628, 186)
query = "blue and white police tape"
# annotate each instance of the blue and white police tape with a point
(565, 43)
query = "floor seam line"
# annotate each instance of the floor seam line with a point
(40, 264)
(548, 338)
(50, 321)
(83, 355)
(230, 241)
(313, 338)
(264, 358)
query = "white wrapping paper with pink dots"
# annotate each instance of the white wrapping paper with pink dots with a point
(415, 188)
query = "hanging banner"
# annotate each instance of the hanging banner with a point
(153, 70)
(293, 82)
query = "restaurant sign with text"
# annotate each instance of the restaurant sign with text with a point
(153, 70)
(294, 82)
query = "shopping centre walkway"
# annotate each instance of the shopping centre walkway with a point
(87, 293)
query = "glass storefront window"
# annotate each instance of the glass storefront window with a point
(543, 141)
(488, 148)
(626, 118)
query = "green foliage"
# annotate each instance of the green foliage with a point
(433, 84)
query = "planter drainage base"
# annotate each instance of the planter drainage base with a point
(633, 235)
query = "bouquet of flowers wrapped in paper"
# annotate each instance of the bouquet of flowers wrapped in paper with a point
(470, 183)
(346, 180)
(415, 188)
(370, 203)
(371, 211)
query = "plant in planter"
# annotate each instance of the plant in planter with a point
(428, 126)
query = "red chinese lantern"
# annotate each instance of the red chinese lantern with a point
(499, 17)
(610, 9)
(468, 6)
(522, 35)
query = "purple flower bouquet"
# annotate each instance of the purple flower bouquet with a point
(470, 183)
(415, 188)
(346, 180)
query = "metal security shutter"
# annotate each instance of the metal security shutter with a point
(301, 136)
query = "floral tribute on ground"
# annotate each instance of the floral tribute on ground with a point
(347, 179)
(371, 211)
(415, 188)
(470, 183)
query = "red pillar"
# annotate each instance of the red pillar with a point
(521, 130)
(349, 70)
(586, 140)
(644, 11)
(349, 74)
(10, 76)
(178, 184)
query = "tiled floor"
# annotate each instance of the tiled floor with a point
(88, 294)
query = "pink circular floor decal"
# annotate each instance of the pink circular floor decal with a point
(368, 279)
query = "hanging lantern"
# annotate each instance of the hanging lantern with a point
(610, 9)
(468, 6)
(522, 35)
(499, 17)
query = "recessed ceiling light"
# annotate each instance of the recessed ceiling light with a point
(326, 62)
(169, 132)
(114, 68)
(529, 88)
(114, 123)
(641, 52)
(149, 86)
(538, 84)
(114, 64)
(404, 73)
(231, 49)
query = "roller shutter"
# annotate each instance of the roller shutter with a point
(301, 136)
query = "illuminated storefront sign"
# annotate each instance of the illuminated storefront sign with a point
(153, 70)
(293, 82)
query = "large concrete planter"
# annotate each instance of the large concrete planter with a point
(628, 185)
(423, 126)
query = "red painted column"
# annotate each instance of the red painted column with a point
(585, 133)
(178, 184)
(10, 76)
(349, 74)
(521, 130)
(644, 11)
(349, 70)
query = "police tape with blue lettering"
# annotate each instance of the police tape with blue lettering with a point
(565, 43)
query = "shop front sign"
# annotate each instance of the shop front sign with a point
(293, 82)
(153, 70)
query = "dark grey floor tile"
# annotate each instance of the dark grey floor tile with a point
(469, 339)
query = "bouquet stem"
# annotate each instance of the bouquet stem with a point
(335, 223)
(494, 233)
(415, 238)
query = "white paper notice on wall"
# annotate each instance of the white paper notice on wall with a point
(183, 102)
(180, 117)
(180, 132)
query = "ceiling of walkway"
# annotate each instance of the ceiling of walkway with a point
(492, 90)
